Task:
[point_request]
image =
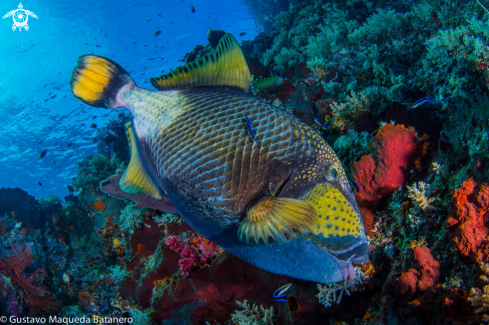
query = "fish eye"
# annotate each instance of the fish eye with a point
(331, 171)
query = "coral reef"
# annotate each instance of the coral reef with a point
(93, 169)
(36, 297)
(99, 205)
(419, 194)
(194, 252)
(346, 68)
(467, 221)
(394, 150)
(22, 206)
(252, 314)
(327, 293)
(480, 298)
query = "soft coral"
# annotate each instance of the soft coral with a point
(199, 250)
(13, 266)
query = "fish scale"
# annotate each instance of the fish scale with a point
(200, 166)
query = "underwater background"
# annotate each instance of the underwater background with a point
(398, 89)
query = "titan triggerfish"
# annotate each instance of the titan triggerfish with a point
(247, 175)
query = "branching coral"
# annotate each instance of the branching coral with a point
(419, 194)
(328, 293)
(119, 273)
(480, 298)
(347, 112)
(166, 218)
(252, 315)
(131, 219)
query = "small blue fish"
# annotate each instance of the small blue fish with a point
(318, 121)
(249, 128)
(355, 185)
(279, 294)
(421, 102)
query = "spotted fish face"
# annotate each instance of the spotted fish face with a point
(320, 181)
(340, 229)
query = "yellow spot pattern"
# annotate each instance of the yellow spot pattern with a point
(337, 216)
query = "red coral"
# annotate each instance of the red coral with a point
(99, 205)
(429, 268)
(191, 254)
(394, 150)
(467, 220)
(39, 301)
(424, 274)
(408, 281)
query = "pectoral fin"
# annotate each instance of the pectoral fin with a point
(279, 218)
(135, 179)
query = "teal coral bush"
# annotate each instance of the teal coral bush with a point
(131, 219)
(252, 315)
(93, 169)
(405, 48)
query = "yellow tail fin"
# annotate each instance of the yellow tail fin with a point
(96, 80)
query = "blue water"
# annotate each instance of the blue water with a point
(37, 64)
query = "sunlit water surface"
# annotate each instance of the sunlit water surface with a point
(37, 108)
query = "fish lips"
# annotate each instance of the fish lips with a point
(340, 227)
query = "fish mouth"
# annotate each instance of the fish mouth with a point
(340, 228)
(357, 254)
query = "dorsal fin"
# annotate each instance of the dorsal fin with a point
(224, 66)
(135, 179)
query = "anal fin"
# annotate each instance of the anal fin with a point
(136, 179)
(279, 218)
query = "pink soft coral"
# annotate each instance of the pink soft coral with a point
(199, 250)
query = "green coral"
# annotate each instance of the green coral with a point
(167, 218)
(131, 219)
(466, 133)
(153, 261)
(386, 49)
(119, 273)
(94, 169)
(252, 315)
(141, 317)
(351, 146)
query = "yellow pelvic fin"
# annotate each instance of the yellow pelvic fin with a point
(279, 218)
(135, 179)
(96, 80)
(224, 66)
(337, 217)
